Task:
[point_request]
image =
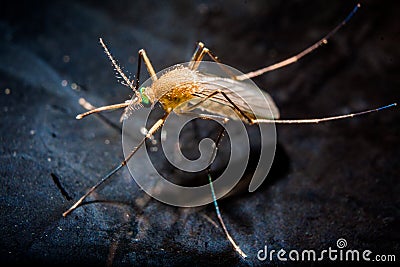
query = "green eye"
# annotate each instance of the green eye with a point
(145, 99)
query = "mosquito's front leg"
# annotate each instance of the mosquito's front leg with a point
(103, 108)
(150, 69)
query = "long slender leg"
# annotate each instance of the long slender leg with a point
(288, 121)
(235, 107)
(236, 247)
(103, 108)
(86, 105)
(318, 120)
(306, 51)
(150, 69)
(201, 51)
(150, 133)
(220, 135)
(128, 82)
(205, 116)
(199, 54)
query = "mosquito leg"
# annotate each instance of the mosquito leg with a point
(150, 69)
(104, 108)
(318, 120)
(205, 116)
(139, 65)
(194, 63)
(150, 133)
(290, 121)
(236, 247)
(306, 51)
(199, 54)
(235, 107)
(86, 105)
(224, 120)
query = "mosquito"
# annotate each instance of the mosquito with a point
(173, 97)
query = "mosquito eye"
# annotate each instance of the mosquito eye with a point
(145, 98)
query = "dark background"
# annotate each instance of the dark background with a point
(333, 180)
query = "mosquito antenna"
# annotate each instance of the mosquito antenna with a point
(323, 119)
(295, 58)
(128, 82)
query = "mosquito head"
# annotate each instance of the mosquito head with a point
(145, 96)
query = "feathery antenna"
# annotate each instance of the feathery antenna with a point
(117, 67)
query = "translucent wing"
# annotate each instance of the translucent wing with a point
(246, 96)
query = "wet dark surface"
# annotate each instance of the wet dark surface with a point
(330, 181)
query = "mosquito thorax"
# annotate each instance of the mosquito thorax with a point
(175, 87)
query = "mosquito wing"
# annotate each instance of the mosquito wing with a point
(246, 96)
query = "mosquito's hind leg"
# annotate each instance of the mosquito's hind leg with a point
(306, 51)
(234, 106)
(203, 116)
(201, 51)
